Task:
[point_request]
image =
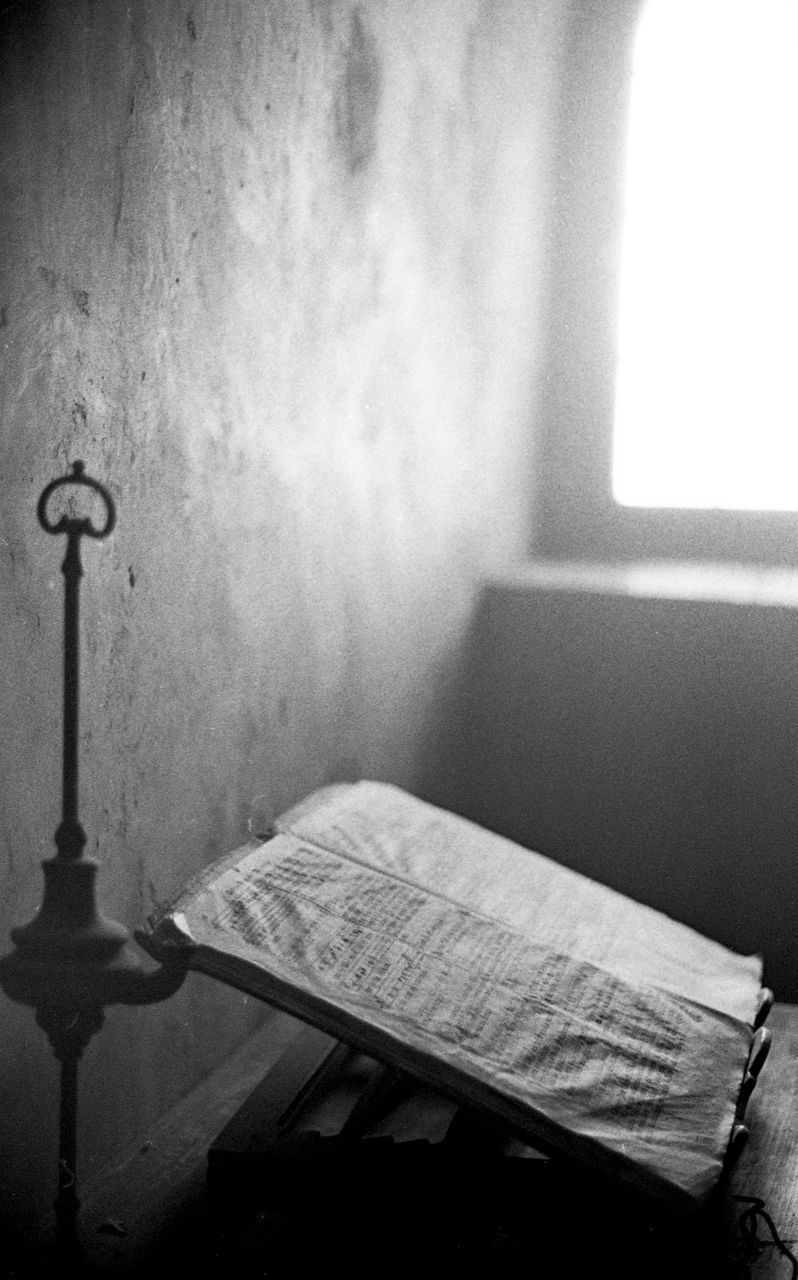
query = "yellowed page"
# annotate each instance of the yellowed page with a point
(385, 828)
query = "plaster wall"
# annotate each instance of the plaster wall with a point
(272, 270)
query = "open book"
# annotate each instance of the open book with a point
(596, 1027)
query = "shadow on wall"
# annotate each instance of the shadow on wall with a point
(651, 744)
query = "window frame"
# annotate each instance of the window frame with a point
(576, 515)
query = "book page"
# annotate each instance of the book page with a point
(383, 827)
(564, 1048)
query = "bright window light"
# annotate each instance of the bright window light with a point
(706, 409)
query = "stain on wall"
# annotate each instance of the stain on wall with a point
(272, 271)
(358, 98)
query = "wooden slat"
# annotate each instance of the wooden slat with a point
(157, 1196)
(162, 1185)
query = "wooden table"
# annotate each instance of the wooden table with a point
(151, 1214)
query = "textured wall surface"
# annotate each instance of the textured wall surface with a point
(272, 268)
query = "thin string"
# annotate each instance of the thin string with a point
(750, 1220)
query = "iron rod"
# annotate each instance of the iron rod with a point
(70, 837)
(67, 1203)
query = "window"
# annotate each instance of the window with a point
(671, 401)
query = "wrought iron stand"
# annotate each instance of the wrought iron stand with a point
(70, 961)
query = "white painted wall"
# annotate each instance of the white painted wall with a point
(273, 269)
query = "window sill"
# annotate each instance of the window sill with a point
(661, 580)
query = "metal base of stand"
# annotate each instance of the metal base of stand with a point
(69, 996)
(72, 957)
(69, 979)
(68, 964)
